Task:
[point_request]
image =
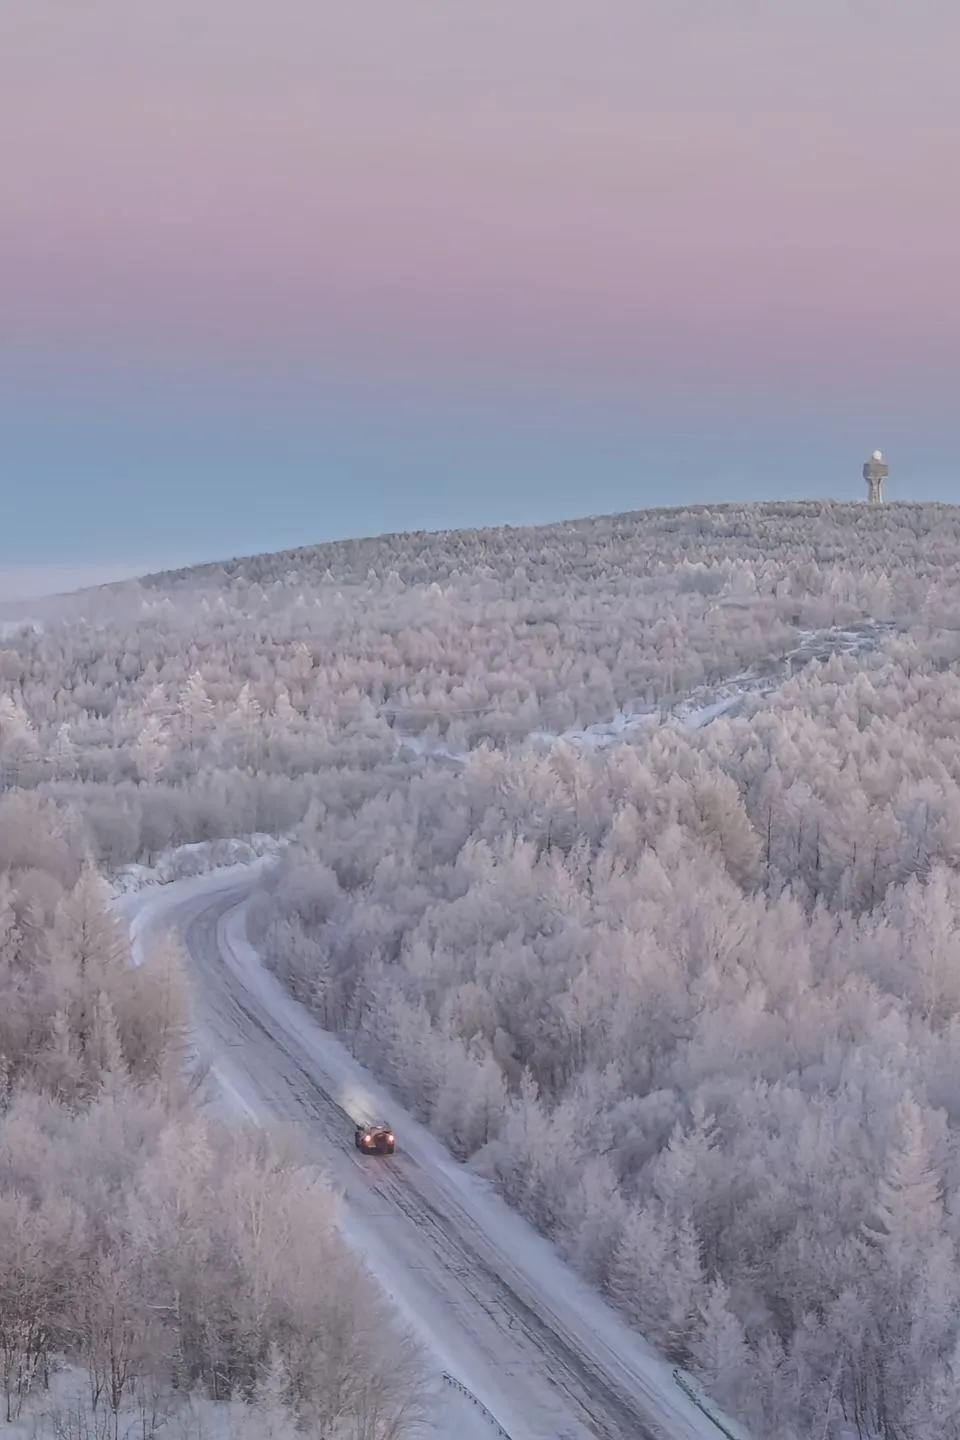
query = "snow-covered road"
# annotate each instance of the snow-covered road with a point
(491, 1300)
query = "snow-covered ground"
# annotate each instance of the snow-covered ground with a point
(491, 1300)
(456, 1415)
(453, 1414)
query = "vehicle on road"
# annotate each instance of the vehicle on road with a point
(375, 1138)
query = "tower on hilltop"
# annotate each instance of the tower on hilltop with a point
(875, 473)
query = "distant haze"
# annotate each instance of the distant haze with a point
(27, 581)
(271, 274)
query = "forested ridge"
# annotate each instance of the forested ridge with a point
(691, 999)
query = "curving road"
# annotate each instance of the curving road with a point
(488, 1297)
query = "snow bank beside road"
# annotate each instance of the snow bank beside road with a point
(181, 862)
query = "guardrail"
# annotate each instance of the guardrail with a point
(678, 1376)
(456, 1384)
(692, 1395)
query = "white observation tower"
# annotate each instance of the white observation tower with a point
(875, 473)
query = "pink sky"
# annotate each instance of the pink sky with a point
(474, 180)
(698, 202)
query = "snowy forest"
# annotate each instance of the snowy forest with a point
(626, 850)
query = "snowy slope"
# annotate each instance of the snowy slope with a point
(491, 1299)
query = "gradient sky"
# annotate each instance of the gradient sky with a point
(277, 272)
